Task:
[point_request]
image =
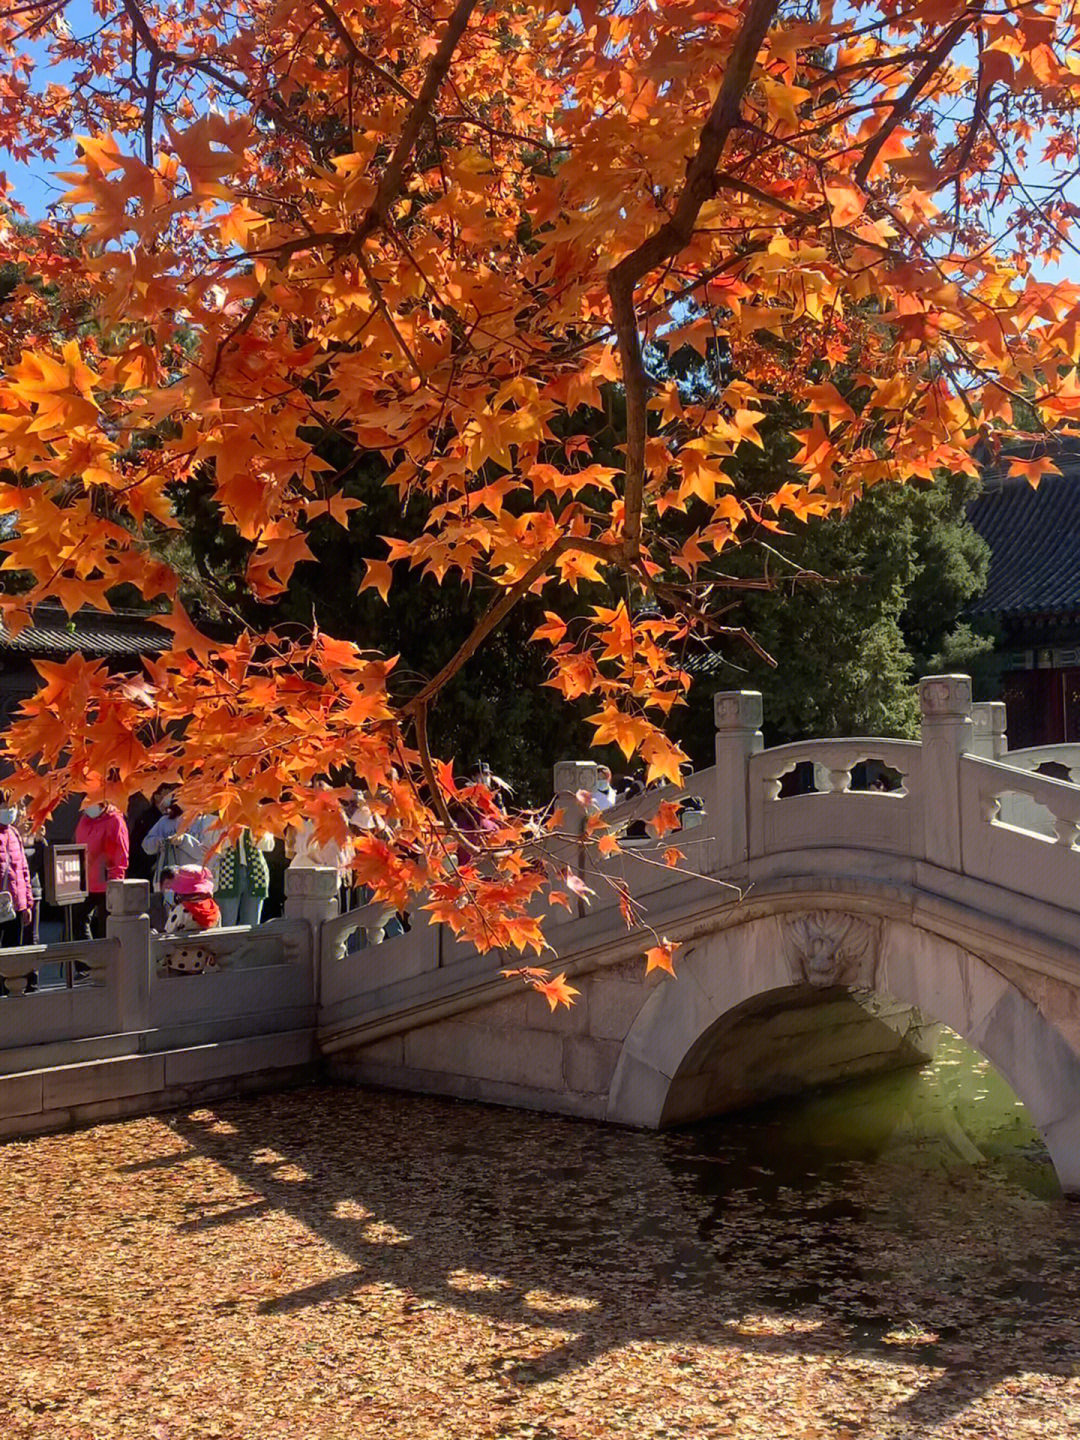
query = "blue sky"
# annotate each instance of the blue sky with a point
(36, 187)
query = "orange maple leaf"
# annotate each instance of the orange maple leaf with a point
(556, 991)
(661, 957)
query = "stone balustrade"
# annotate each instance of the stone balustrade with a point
(935, 892)
(940, 793)
(837, 760)
(1059, 762)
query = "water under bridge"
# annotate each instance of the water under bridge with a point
(824, 933)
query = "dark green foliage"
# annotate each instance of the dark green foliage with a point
(896, 575)
(495, 709)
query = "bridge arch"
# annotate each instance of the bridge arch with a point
(667, 1062)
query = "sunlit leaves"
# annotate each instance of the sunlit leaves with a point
(556, 990)
(661, 956)
(285, 233)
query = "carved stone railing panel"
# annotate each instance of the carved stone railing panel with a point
(1020, 830)
(638, 864)
(17, 965)
(337, 933)
(995, 784)
(278, 942)
(346, 972)
(693, 798)
(1062, 761)
(835, 814)
(837, 759)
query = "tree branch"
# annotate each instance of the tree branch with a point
(668, 241)
(903, 106)
(499, 610)
(392, 176)
(355, 53)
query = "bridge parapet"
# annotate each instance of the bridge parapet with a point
(841, 815)
(1037, 856)
(1059, 762)
(955, 798)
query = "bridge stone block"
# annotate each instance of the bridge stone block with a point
(21, 1094)
(71, 1086)
(613, 1005)
(1062, 1139)
(1040, 1066)
(638, 1093)
(537, 1014)
(588, 1065)
(939, 977)
(390, 1050)
(532, 1058)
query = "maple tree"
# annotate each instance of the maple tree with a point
(443, 231)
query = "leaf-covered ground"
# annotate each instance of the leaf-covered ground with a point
(328, 1263)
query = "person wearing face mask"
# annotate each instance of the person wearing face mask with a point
(172, 846)
(16, 895)
(103, 830)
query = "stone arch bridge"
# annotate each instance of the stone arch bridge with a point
(822, 934)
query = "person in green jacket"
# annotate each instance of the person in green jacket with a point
(243, 879)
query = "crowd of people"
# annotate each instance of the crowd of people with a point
(197, 879)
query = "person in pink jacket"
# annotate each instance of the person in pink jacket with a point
(103, 830)
(14, 878)
(14, 882)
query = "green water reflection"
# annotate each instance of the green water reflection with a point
(953, 1114)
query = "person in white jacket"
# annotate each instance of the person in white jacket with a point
(172, 846)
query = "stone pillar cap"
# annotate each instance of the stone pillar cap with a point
(127, 897)
(945, 697)
(737, 709)
(312, 881)
(570, 776)
(988, 716)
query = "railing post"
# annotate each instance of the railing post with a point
(128, 921)
(737, 716)
(311, 893)
(990, 741)
(570, 776)
(947, 733)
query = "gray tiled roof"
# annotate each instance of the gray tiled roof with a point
(1034, 539)
(90, 632)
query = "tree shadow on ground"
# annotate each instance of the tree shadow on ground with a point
(687, 1238)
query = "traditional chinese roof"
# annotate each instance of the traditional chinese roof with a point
(1034, 539)
(55, 634)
